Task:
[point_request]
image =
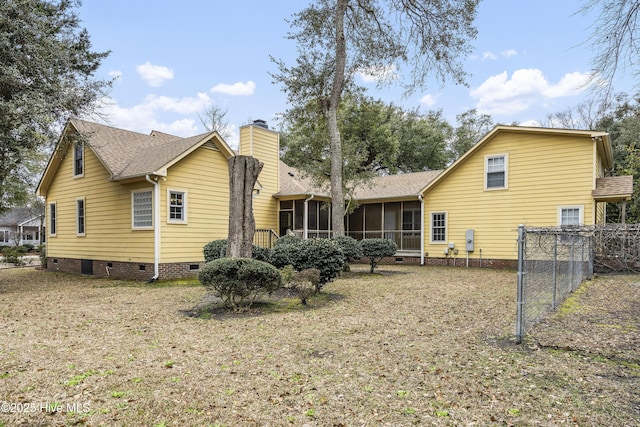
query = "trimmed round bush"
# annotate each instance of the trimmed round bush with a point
(218, 249)
(215, 249)
(239, 281)
(260, 253)
(350, 246)
(323, 254)
(377, 249)
(287, 239)
(284, 254)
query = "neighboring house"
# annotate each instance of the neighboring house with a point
(20, 226)
(125, 204)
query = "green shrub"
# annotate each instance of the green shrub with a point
(309, 276)
(283, 255)
(351, 248)
(287, 239)
(42, 253)
(218, 249)
(14, 255)
(215, 249)
(303, 283)
(260, 253)
(323, 254)
(29, 247)
(376, 249)
(239, 281)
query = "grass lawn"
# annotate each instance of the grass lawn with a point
(409, 346)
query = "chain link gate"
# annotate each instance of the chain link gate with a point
(552, 262)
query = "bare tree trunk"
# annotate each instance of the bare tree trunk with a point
(337, 195)
(243, 174)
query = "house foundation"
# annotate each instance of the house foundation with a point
(124, 270)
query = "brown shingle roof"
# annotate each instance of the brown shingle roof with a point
(294, 183)
(402, 185)
(613, 188)
(127, 154)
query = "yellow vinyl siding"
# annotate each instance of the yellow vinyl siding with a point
(108, 235)
(204, 177)
(264, 145)
(544, 172)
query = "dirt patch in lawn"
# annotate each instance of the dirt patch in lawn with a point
(412, 346)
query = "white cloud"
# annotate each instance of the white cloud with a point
(237, 88)
(145, 117)
(489, 55)
(186, 105)
(501, 95)
(429, 100)
(154, 75)
(378, 74)
(570, 84)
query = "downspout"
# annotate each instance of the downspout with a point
(421, 228)
(156, 228)
(306, 217)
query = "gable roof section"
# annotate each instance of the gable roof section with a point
(294, 183)
(127, 154)
(613, 188)
(603, 144)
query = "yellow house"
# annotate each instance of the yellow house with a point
(468, 214)
(125, 204)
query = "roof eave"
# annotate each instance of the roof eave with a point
(162, 173)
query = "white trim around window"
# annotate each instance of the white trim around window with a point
(176, 206)
(81, 216)
(571, 215)
(53, 219)
(438, 227)
(142, 209)
(496, 172)
(78, 160)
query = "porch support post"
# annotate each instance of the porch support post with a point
(421, 229)
(306, 218)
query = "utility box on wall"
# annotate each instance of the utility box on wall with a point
(469, 240)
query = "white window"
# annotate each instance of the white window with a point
(571, 215)
(496, 167)
(438, 227)
(80, 217)
(177, 206)
(52, 219)
(4, 236)
(78, 159)
(142, 209)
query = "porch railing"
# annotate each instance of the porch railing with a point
(265, 237)
(406, 240)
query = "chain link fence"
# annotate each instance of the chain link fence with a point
(552, 262)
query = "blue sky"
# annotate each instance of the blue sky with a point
(173, 60)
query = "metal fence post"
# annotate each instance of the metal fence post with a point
(555, 267)
(520, 292)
